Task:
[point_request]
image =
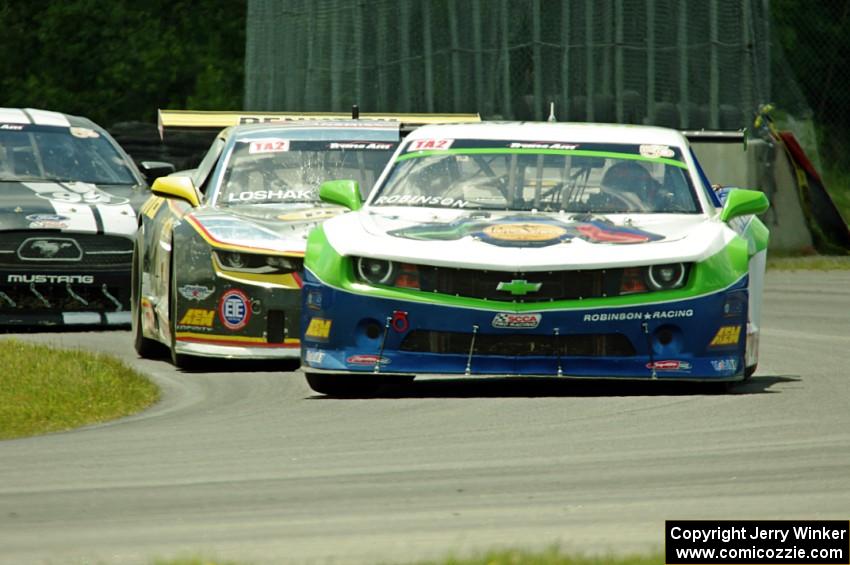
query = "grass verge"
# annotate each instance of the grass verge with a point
(809, 263)
(501, 557)
(47, 390)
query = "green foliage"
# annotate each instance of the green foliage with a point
(124, 62)
(45, 390)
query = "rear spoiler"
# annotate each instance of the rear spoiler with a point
(196, 121)
(716, 136)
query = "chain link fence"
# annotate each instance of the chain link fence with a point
(675, 63)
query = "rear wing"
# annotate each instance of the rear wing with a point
(716, 136)
(211, 122)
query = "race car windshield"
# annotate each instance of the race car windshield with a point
(633, 179)
(61, 154)
(276, 170)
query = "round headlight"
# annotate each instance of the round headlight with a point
(665, 277)
(376, 271)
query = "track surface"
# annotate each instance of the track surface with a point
(253, 466)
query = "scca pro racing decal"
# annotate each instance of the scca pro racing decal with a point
(669, 365)
(234, 309)
(367, 359)
(517, 321)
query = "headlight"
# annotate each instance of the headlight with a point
(375, 271)
(666, 277)
(257, 263)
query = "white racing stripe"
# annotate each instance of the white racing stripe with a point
(13, 116)
(118, 219)
(81, 216)
(84, 318)
(48, 118)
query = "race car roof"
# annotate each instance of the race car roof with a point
(34, 116)
(554, 132)
(214, 121)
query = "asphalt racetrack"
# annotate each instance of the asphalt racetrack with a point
(253, 466)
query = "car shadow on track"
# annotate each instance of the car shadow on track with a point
(518, 387)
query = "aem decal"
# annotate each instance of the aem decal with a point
(512, 320)
(726, 335)
(318, 328)
(234, 309)
(198, 317)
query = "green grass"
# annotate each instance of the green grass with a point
(502, 557)
(47, 390)
(808, 262)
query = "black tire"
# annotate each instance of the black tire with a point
(145, 347)
(750, 371)
(343, 385)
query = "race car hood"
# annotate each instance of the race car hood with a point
(530, 241)
(73, 207)
(282, 227)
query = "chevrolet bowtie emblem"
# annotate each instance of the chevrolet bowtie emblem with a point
(519, 287)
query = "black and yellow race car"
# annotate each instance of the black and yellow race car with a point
(219, 251)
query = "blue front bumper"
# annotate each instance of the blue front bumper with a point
(701, 338)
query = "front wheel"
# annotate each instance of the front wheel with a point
(145, 347)
(343, 385)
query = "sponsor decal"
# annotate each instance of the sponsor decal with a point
(734, 305)
(50, 249)
(516, 231)
(195, 292)
(318, 328)
(360, 146)
(399, 321)
(519, 287)
(512, 320)
(315, 356)
(304, 215)
(12, 127)
(269, 146)
(726, 335)
(623, 316)
(656, 151)
(418, 200)
(84, 133)
(669, 365)
(524, 232)
(248, 195)
(729, 365)
(198, 317)
(81, 193)
(429, 144)
(234, 309)
(47, 218)
(51, 279)
(314, 300)
(542, 145)
(367, 359)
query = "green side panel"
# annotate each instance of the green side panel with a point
(716, 273)
(758, 233)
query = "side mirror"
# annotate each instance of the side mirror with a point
(740, 202)
(343, 192)
(155, 169)
(176, 187)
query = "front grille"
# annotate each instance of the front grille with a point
(52, 298)
(554, 285)
(579, 345)
(97, 250)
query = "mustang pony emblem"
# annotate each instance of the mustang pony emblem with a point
(50, 248)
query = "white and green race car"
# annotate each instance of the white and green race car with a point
(535, 249)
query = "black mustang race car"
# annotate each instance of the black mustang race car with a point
(69, 197)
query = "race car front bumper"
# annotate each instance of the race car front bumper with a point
(698, 338)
